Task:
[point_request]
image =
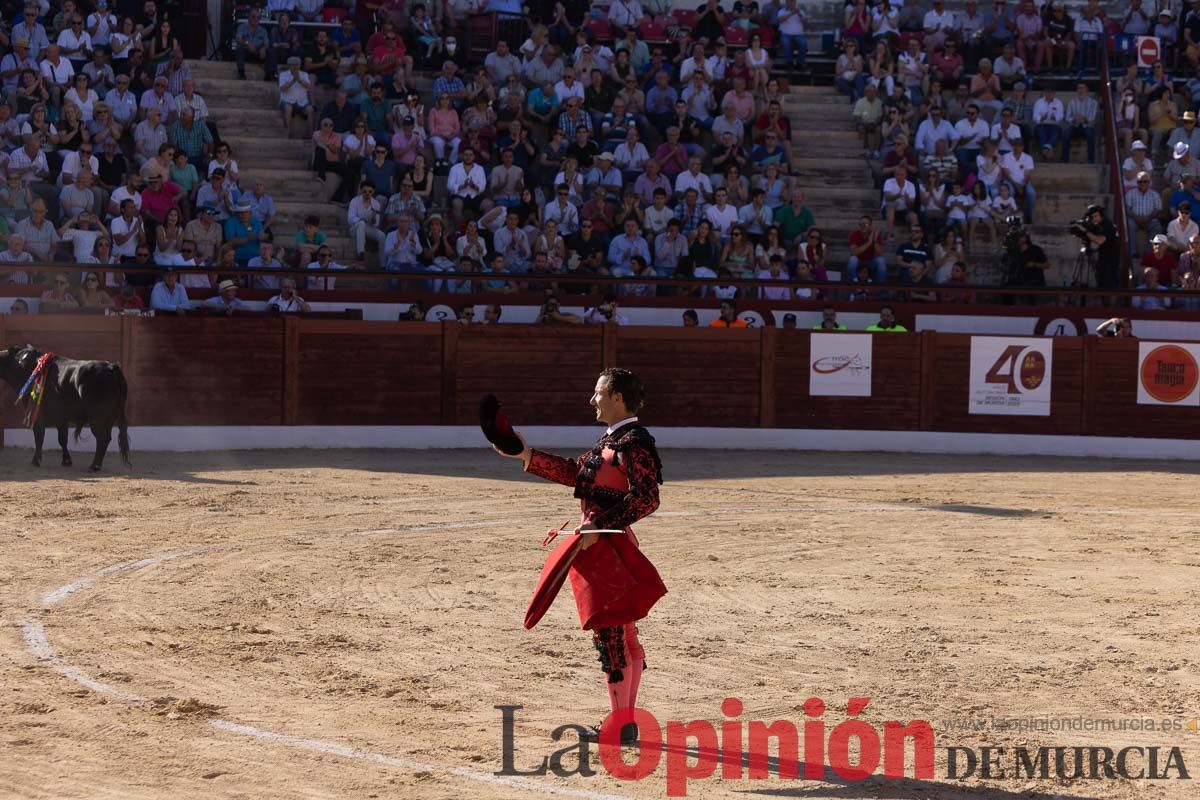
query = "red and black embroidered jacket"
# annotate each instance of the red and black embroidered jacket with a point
(616, 481)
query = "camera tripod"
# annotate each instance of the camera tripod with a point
(1082, 272)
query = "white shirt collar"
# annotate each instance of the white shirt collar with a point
(623, 422)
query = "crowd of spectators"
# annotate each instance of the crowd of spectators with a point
(627, 141)
(636, 142)
(110, 156)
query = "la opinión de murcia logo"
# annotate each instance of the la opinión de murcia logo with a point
(736, 749)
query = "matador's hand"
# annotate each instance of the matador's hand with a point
(587, 539)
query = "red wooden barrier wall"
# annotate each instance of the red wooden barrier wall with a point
(292, 371)
(895, 401)
(703, 376)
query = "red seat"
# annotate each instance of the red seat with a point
(653, 30)
(686, 17)
(736, 37)
(600, 29)
(767, 35)
(333, 15)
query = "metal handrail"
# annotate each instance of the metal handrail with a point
(1113, 157)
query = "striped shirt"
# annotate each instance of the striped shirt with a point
(1143, 204)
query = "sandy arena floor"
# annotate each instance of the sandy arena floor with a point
(341, 624)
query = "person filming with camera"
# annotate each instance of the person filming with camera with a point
(1100, 236)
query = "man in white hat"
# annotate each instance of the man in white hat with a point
(243, 233)
(1160, 259)
(1187, 133)
(1182, 163)
(227, 301)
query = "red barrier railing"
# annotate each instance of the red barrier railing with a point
(603, 284)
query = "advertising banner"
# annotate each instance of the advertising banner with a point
(1010, 376)
(1168, 374)
(839, 364)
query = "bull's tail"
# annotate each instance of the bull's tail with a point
(122, 420)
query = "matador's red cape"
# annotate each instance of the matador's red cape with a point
(617, 484)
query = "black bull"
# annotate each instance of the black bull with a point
(78, 393)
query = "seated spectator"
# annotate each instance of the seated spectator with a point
(867, 248)
(755, 217)
(1154, 301)
(721, 215)
(513, 242)
(128, 230)
(1017, 172)
(207, 233)
(364, 218)
(40, 236)
(727, 317)
(82, 97)
(772, 152)
(324, 261)
(672, 156)
(159, 197)
(1190, 282)
(899, 199)
(287, 301)
(91, 295)
(901, 153)
(1161, 259)
(58, 298)
(224, 160)
(243, 233)
(295, 93)
(128, 301)
(158, 97)
(1080, 118)
(957, 279)
(79, 196)
(82, 230)
(694, 178)
(933, 129)
(15, 253)
(775, 269)
(376, 111)
(1189, 261)
(1010, 67)
(631, 156)
(227, 300)
(466, 184)
(887, 322)
(1181, 229)
(149, 136)
(403, 248)
(267, 259)
(251, 41)
(450, 84)
(380, 170)
(183, 172)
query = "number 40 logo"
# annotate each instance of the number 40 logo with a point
(1019, 369)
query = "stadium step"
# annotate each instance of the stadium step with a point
(289, 210)
(263, 118)
(269, 146)
(229, 91)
